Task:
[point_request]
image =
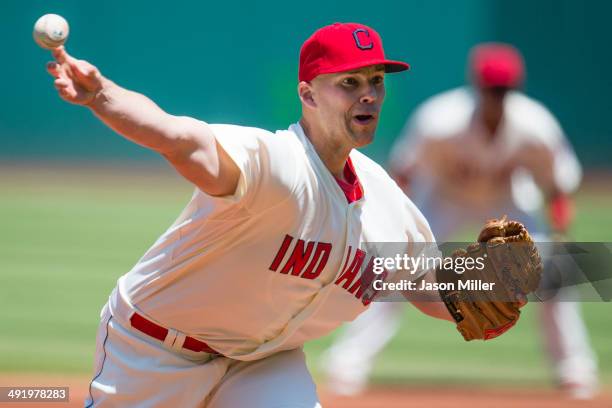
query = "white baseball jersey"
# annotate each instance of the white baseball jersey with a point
(450, 157)
(277, 263)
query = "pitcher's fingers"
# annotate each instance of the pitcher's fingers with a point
(89, 70)
(76, 67)
(58, 71)
(62, 57)
(60, 84)
(82, 69)
(63, 93)
(60, 54)
(53, 68)
(66, 91)
(62, 88)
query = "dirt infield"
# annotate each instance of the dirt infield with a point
(424, 396)
(433, 397)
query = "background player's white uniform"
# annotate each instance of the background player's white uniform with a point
(254, 275)
(460, 176)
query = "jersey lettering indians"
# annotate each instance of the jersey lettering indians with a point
(280, 261)
(307, 260)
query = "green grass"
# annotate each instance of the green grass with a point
(428, 350)
(68, 235)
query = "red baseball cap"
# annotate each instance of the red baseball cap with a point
(496, 64)
(343, 47)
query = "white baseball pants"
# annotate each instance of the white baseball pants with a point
(134, 370)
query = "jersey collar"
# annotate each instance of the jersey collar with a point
(351, 187)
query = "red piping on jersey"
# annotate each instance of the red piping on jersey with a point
(351, 187)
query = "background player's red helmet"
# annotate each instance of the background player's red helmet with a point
(343, 47)
(497, 65)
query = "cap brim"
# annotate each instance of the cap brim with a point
(390, 66)
(395, 66)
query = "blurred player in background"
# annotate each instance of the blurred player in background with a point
(462, 157)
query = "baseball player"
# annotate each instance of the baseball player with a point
(470, 153)
(268, 253)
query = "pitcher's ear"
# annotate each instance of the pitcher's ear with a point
(305, 92)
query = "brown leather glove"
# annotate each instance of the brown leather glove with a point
(485, 299)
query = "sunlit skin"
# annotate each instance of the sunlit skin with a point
(491, 107)
(490, 111)
(340, 112)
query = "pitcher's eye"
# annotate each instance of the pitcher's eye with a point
(350, 81)
(377, 80)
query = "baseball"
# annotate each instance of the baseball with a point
(50, 31)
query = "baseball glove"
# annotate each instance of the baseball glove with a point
(485, 299)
